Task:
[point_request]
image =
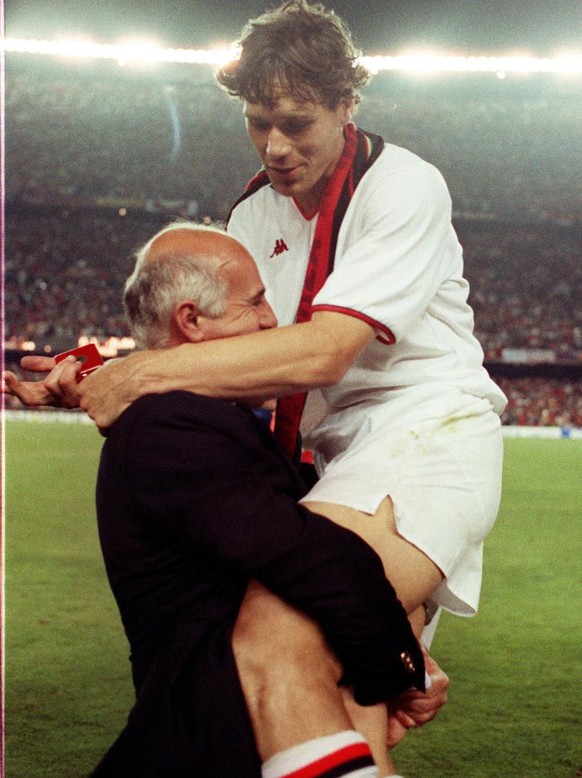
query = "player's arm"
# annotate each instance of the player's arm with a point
(248, 368)
(57, 388)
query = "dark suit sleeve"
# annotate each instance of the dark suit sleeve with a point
(224, 493)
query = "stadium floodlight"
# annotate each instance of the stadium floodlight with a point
(427, 63)
(137, 52)
(419, 62)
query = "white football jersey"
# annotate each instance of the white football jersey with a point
(398, 266)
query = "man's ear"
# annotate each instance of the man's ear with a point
(346, 110)
(186, 321)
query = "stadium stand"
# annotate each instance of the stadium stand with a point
(96, 163)
(144, 140)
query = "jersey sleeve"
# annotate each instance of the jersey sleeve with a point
(396, 247)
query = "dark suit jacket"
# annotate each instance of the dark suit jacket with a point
(194, 497)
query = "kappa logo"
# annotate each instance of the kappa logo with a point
(280, 247)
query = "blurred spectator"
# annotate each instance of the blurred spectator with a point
(542, 402)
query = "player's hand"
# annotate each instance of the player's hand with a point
(415, 709)
(108, 391)
(58, 389)
(37, 364)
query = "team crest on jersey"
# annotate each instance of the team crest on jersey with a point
(280, 247)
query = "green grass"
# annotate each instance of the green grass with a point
(67, 674)
(515, 706)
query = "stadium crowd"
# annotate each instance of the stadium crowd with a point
(94, 166)
(542, 402)
(503, 153)
(526, 287)
(64, 271)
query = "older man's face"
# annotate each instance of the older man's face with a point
(247, 309)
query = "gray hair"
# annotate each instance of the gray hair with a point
(158, 284)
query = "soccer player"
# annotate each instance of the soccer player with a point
(353, 238)
(354, 241)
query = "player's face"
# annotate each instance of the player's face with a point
(247, 308)
(299, 144)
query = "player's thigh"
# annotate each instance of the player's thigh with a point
(288, 675)
(272, 638)
(411, 572)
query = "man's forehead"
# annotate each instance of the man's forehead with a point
(217, 248)
(242, 266)
(282, 105)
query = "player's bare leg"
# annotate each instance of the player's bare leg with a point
(289, 677)
(274, 697)
(287, 643)
(409, 570)
(414, 577)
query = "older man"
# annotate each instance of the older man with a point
(195, 500)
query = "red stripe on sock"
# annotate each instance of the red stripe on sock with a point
(328, 762)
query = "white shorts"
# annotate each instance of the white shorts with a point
(444, 479)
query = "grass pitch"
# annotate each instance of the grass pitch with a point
(515, 707)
